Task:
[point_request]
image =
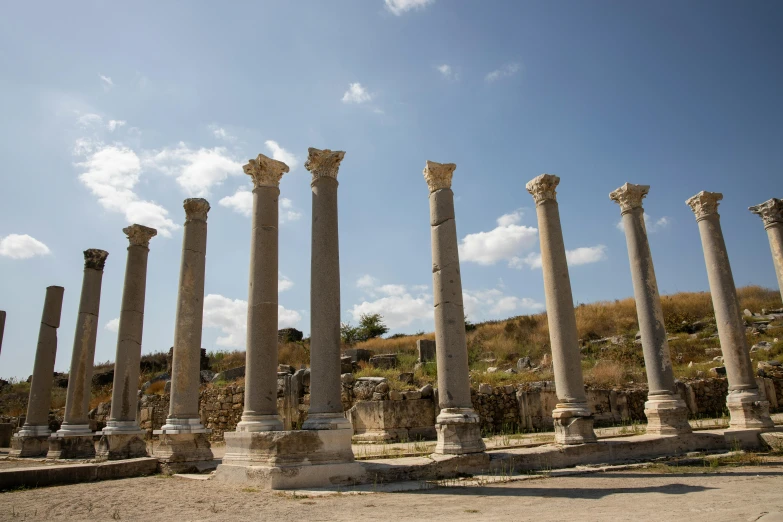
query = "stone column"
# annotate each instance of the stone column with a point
(2, 328)
(183, 440)
(260, 412)
(572, 416)
(74, 439)
(745, 404)
(458, 425)
(666, 412)
(33, 439)
(122, 438)
(771, 212)
(326, 409)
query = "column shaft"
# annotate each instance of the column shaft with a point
(2, 328)
(775, 234)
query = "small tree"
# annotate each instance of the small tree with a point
(371, 325)
(349, 334)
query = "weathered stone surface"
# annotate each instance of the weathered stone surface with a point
(771, 213)
(358, 354)
(524, 363)
(6, 430)
(426, 391)
(346, 364)
(392, 420)
(289, 335)
(229, 375)
(385, 361)
(406, 377)
(426, 350)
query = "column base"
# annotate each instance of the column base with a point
(183, 452)
(30, 441)
(180, 426)
(666, 415)
(327, 421)
(67, 446)
(747, 410)
(119, 427)
(290, 459)
(459, 432)
(116, 445)
(256, 423)
(573, 424)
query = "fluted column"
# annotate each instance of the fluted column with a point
(32, 439)
(666, 412)
(260, 413)
(771, 212)
(745, 404)
(326, 409)
(572, 416)
(77, 402)
(457, 425)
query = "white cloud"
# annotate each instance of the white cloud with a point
(447, 71)
(287, 212)
(114, 124)
(366, 281)
(111, 173)
(222, 134)
(22, 246)
(113, 325)
(283, 283)
(399, 305)
(356, 94)
(651, 225)
(507, 70)
(230, 315)
(575, 257)
(196, 170)
(398, 7)
(89, 120)
(106, 82)
(391, 289)
(492, 304)
(241, 202)
(280, 154)
(504, 242)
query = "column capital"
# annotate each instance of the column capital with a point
(196, 209)
(438, 175)
(139, 235)
(704, 204)
(323, 163)
(265, 171)
(771, 211)
(95, 258)
(542, 187)
(629, 196)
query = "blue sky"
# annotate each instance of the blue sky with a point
(114, 114)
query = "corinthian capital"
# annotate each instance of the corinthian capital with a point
(629, 196)
(95, 258)
(771, 211)
(139, 235)
(323, 163)
(704, 204)
(265, 171)
(196, 209)
(542, 187)
(438, 175)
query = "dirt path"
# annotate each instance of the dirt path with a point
(693, 494)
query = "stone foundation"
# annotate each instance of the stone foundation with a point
(119, 446)
(459, 432)
(667, 416)
(184, 452)
(393, 421)
(71, 446)
(29, 445)
(573, 425)
(748, 410)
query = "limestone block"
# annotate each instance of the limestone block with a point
(426, 350)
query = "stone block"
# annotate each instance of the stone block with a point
(358, 355)
(346, 364)
(393, 420)
(406, 377)
(426, 349)
(29, 446)
(230, 375)
(385, 361)
(71, 446)
(119, 446)
(6, 431)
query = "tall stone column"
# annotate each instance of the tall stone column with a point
(2, 328)
(572, 416)
(74, 439)
(326, 409)
(745, 404)
(666, 412)
(33, 439)
(457, 425)
(260, 412)
(771, 212)
(122, 438)
(183, 441)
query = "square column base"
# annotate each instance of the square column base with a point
(120, 446)
(29, 446)
(573, 424)
(290, 459)
(459, 432)
(183, 452)
(748, 410)
(66, 446)
(666, 416)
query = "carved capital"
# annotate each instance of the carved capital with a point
(95, 258)
(323, 163)
(629, 196)
(771, 211)
(438, 175)
(265, 171)
(543, 187)
(705, 204)
(196, 209)
(139, 235)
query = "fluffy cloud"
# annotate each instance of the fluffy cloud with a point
(575, 257)
(398, 7)
(22, 246)
(399, 305)
(283, 283)
(485, 304)
(106, 82)
(447, 71)
(510, 69)
(115, 124)
(196, 170)
(651, 225)
(242, 203)
(221, 133)
(280, 154)
(366, 281)
(230, 316)
(504, 242)
(111, 172)
(356, 94)
(113, 325)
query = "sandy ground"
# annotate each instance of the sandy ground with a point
(690, 493)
